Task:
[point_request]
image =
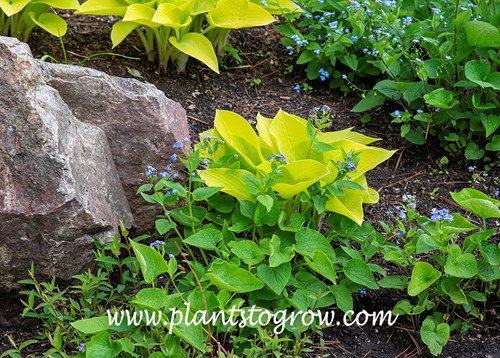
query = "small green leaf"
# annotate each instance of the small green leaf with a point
(205, 239)
(266, 200)
(413, 91)
(233, 278)
(153, 299)
(422, 277)
(322, 265)
(102, 345)
(491, 123)
(248, 251)
(164, 225)
(205, 192)
(120, 30)
(371, 100)
(477, 202)
(459, 264)
(151, 261)
(343, 297)
(482, 34)
(308, 241)
(395, 281)
(451, 288)
(441, 98)
(277, 256)
(472, 152)
(275, 277)
(359, 272)
(434, 336)
(389, 89)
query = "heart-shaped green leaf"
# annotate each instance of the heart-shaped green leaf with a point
(422, 277)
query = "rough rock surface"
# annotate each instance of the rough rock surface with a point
(140, 122)
(58, 183)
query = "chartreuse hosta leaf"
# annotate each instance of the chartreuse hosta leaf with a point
(121, 29)
(197, 46)
(203, 6)
(11, 7)
(303, 164)
(60, 4)
(230, 180)
(103, 7)
(278, 7)
(141, 14)
(169, 14)
(239, 135)
(237, 14)
(51, 23)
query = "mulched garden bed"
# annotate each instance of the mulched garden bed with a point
(412, 170)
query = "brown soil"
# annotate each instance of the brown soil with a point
(413, 170)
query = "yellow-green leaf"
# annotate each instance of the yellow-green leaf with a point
(197, 46)
(239, 134)
(105, 8)
(120, 30)
(349, 205)
(267, 142)
(237, 14)
(51, 23)
(172, 16)
(280, 7)
(203, 6)
(141, 14)
(297, 176)
(346, 134)
(290, 134)
(370, 157)
(230, 180)
(11, 7)
(60, 4)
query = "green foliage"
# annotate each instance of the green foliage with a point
(255, 240)
(176, 30)
(19, 17)
(438, 62)
(460, 268)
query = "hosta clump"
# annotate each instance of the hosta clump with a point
(452, 264)
(431, 58)
(18, 18)
(311, 172)
(173, 31)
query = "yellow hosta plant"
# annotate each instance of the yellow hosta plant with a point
(174, 30)
(294, 159)
(19, 17)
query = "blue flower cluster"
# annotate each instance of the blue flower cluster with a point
(323, 74)
(299, 41)
(180, 143)
(168, 172)
(157, 242)
(441, 214)
(280, 158)
(409, 201)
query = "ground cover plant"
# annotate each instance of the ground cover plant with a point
(128, 274)
(438, 61)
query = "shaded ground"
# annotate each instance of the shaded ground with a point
(413, 170)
